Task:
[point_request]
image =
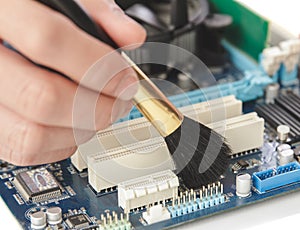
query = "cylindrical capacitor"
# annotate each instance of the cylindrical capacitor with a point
(286, 156)
(54, 215)
(271, 92)
(283, 132)
(283, 147)
(38, 220)
(243, 185)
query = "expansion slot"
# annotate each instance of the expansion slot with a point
(140, 192)
(111, 167)
(243, 133)
(132, 131)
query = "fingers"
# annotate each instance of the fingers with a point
(21, 140)
(54, 41)
(111, 18)
(47, 98)
(10, 155)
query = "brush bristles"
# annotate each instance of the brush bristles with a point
(200, 154)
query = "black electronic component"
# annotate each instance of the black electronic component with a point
(78, 221)
(37, 185)
(243, 164)
(240, 165)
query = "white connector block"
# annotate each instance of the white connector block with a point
(109, 168)
(133, 131)
(156, 214)
(291, 49)
(271, 60)
(242, 133)
(140, 192)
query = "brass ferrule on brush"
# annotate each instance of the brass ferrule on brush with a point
(154, 105)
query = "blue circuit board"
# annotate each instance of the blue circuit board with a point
(79, 197)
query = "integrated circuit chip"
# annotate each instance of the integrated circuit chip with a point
(37, 185)
(78, 221)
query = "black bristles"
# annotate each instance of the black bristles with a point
(200, 154)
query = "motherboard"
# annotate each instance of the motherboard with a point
(123, 178)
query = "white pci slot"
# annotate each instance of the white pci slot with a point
(133, 131)
(108, 168)
(146, 190)
(245, 132)
(111, 167)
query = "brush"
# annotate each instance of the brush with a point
(200, 154)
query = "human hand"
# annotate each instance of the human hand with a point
(36, 105)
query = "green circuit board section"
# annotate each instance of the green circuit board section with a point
(249, 31)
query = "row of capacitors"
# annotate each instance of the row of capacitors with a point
(52, 216)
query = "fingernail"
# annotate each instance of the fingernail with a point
(127, 88)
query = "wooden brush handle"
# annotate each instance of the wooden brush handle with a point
(149, 100)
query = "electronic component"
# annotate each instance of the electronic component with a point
(129, 132)
(288, 70)
(243, 185)
(275, 115)
(285, 156)
(156, 214)
(272, 92)
(244, 132)
(146, 190)
(37, 185)
(78, 221)
(38, 220)
(277, 177)
(191, 201)
(54, 215)
(240, 165)
(291, 103)
(271, 59)
(128, 162)
(113, 222)
(283, 132)
(243, 164)
(283, 147)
